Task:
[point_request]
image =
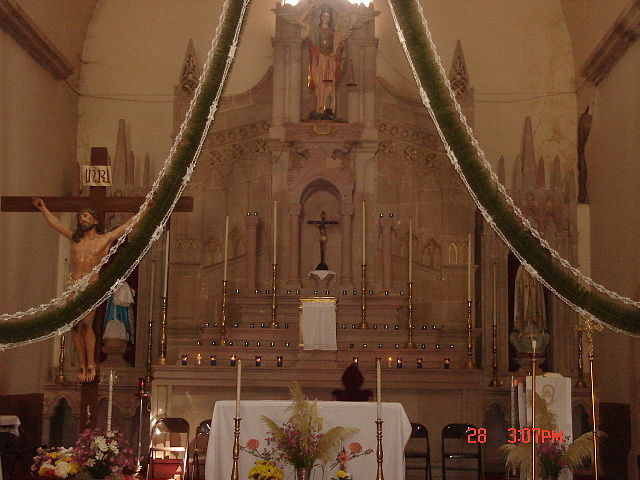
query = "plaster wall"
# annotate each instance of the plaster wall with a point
(38, 116)
(588, 21)
(614, 194)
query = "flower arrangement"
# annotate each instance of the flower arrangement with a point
(101, 453)
(265, 470)
(55, 463)
(300, 441)
(552, 457)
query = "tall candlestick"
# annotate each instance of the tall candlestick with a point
(110, 401)
(275, 226)
(410, 248)
(495, 302)
(469, 268)
(364, 234)
(378, 388)
(238, 377)
(166, 265)
(514, 383)
(226, 248)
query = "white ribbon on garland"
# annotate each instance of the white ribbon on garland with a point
(82, 283)
(425, 100)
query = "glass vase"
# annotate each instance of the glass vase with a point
(303, 474)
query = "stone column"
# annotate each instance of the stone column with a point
(346, 276)
(294, 280)
(294, 83)
(251, 226)
(279, 90)
(386, 224)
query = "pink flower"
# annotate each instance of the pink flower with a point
(355, 447)
(253, 444)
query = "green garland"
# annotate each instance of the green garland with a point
(22, 330)
(614, 314)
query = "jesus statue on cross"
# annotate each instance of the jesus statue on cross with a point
(89, 244)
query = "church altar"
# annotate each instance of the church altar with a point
(361, 415)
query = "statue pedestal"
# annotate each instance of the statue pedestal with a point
(322, 279)
(114, 349)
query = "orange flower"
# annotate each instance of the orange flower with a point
(253, 444)
(355, 447)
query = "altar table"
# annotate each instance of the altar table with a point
(396, 430)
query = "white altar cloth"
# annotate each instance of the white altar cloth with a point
(396, 430)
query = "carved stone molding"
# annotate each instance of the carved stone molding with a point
(17, 23)
(613, 46)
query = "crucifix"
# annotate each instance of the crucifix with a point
(322, 227)
(89, 245)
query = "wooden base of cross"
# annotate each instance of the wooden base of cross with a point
(101, 203)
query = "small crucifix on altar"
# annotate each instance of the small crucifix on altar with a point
(322, 227)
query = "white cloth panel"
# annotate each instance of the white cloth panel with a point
(319, 325)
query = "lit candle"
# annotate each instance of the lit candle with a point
(238, 377)
(213, 361)
(399, 363)
(199, 359)
(165, 286)
(226, 247)
(258, 360)
(378, 388)
(419, 363)
(232, 361)
(364, 234)
(495, 302)
(110, 403)
(185, 359)
(410, 248)
(275, 226)
(279, 361)
(389, 362)
(469, 268)
(514, 384)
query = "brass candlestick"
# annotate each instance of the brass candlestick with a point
(410, 343)
(589, 326)
(141, 394)
(149, 361)
(236, 448)
(580, 383)
(470, 362)
(163, 332)
(533, 410)
(274, 302)
(60, 378)
(223, 318)
(379, 453)
(363, 300)
(495, 382)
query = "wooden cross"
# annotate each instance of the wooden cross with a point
(322, 227)
(101, 203)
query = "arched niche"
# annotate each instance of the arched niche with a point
(63, 429)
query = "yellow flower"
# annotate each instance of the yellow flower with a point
(342, 474)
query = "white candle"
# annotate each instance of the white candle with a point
(110, 401)
(495, 302)
(364, 234)
(226, 248)
(275, 226)
(513, 402)
(469, 268)
(378, 388)
(410, 248)
(238, 376)
(166, 265)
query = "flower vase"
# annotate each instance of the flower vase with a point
(303, 474)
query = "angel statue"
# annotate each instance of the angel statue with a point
(326, 36)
